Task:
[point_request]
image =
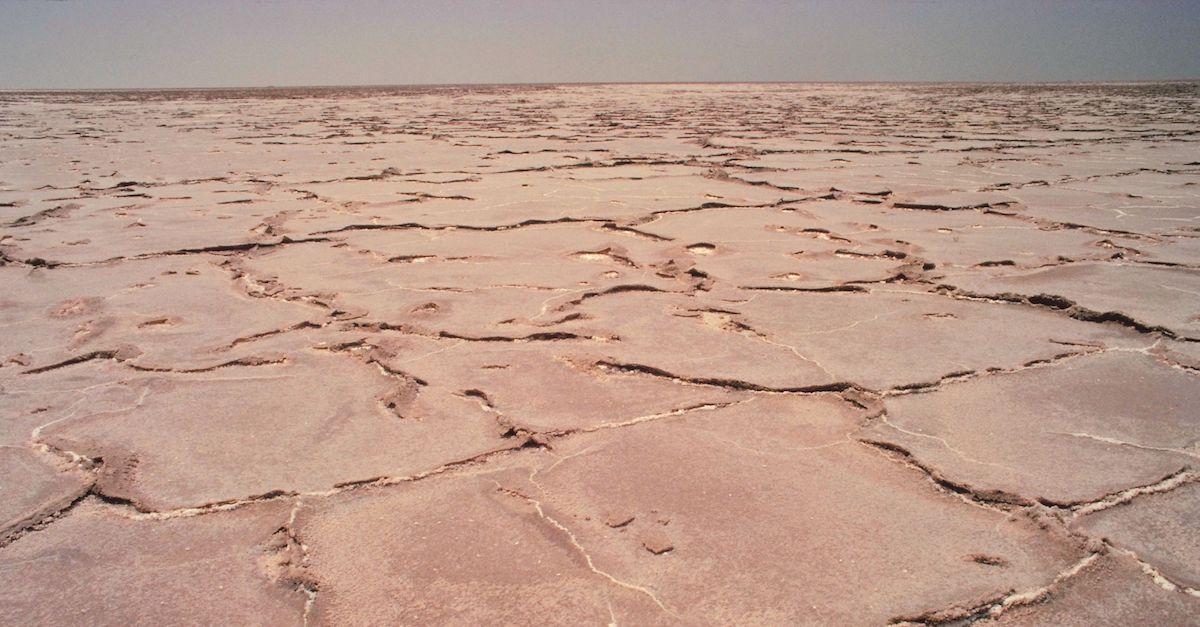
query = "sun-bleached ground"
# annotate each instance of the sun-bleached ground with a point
(640, 354)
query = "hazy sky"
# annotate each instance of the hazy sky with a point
(170, 43)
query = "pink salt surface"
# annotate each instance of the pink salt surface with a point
(654, 354)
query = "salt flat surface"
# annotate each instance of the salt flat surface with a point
(607, 354)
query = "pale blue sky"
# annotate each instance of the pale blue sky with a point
(199, 43)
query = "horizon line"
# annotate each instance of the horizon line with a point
(595, 83)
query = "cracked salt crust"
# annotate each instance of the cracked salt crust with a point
(943, 362)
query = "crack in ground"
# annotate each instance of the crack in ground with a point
(242, 247)
(731, 384)
(537, 505)
(998, 605)
(1174, 480)
(1116, 442)
(994, 499)
(1059, 304)
(1154, 574)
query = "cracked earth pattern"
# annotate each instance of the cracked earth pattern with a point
(725, 354)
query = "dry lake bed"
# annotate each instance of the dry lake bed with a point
(601, 354)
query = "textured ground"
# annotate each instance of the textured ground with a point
(601, 355)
